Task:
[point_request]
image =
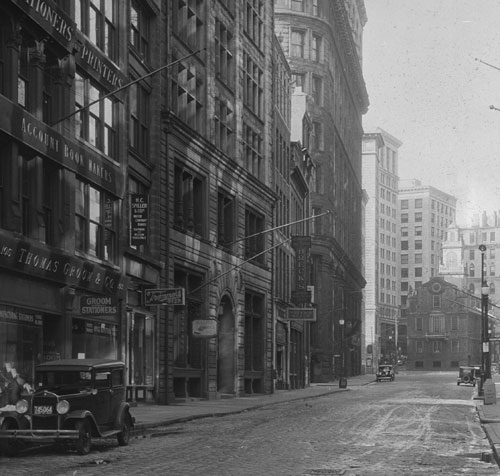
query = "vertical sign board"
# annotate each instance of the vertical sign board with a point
(139, 208)
(301, 245)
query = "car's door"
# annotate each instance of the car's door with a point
(102, 407)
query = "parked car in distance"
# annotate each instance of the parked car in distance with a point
(385, 372)
(469, 374)
(74, 400)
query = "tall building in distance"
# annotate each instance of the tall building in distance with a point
(424, 214)
(381, 294)
(322, 42)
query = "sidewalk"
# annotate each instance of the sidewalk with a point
(150, 416)
(489, 416)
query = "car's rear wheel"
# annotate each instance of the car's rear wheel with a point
(124, 436)
(84, 441)
(9, 447)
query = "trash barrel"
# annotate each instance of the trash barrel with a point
(342, 382)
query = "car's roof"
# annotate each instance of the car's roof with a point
(80, 364)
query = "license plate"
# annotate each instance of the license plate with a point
(43, 410)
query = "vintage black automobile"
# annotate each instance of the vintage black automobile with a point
(469, 374)
(385, 372)
(74, 400)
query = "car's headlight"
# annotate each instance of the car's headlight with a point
(22, 406)
(62, 407)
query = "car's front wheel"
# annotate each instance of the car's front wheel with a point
(9, 447)
(124, 436)
(84, 441)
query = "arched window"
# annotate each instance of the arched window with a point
(471, 270)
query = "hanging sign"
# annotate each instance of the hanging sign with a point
(139, 208)
(171, 296)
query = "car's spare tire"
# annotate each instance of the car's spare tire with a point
(466, 378)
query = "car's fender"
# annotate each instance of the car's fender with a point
(83, 415)
(123, 411)
(21, 421)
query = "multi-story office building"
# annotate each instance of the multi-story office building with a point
(67, 270)
(424, 216)
(218, 136)
(381, 294)
(321, 40)
(293, 169)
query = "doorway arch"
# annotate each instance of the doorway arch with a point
(226, 361)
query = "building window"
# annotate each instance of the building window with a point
(225, 218)
(253, 86)
(139, 28)
(492, 236)
(471, 254)
(418, 216)
(404, 217)
(188, 22)
(223, 119)
(492, 253)
(254, 226)
(436, 301)
(316, 48)
(404, 204)
(419, 347)
(97, 19)
(298, 42)
(187, 349)
(298, 5)
(437, 325)
(437, 347)
(404, 231)
(139, 118)
(418, 231)
(418, 272)
(298, 80)
(418, 203)
(492, 288)
(455, 349)
(418, 244)
(95, 217)
(224, 64)
(254, 335)
(317, 7)
(95, 124)
(317, 90)
(471, 270)
(404, 245)
(418, 258)
(254, 21)
(187, 94)
(252, 150)
(189, 206)
(404, 272)
(318, 135)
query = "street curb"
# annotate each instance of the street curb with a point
(143, 427)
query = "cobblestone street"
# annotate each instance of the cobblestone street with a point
(406, 427)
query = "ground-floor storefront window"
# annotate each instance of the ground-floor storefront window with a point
(94, 340)
(21, 344)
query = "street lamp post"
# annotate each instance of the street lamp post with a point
(485, 338)
(342, 379)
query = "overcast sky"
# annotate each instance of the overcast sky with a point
(427, 89)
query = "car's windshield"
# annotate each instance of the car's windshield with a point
(58, 378)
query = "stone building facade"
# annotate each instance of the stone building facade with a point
(320, 44)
